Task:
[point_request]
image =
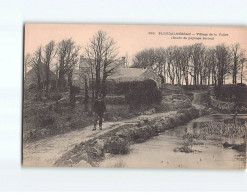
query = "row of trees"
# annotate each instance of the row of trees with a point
(101, 54)
(195, 64)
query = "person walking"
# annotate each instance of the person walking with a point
(99, 108)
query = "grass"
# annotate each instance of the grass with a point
(40, 121)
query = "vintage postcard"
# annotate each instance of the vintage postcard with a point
(134, 96)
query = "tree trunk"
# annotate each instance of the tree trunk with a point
(61, 80)
(86, 95)
(71, 90)
(47, 78)
(195, 78)
(165, 73)
(234, 72)
(209, 74)
(98, 86)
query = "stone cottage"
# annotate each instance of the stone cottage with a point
(121, 74)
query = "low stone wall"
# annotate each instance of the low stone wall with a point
(118, 140)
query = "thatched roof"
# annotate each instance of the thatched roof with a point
(127, 73)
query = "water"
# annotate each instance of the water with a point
(158, 152)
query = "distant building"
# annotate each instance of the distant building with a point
(134, 74)
(31, 79)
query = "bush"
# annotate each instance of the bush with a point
(117, 145)
(189, 114)
(145, 93)
(123, 88)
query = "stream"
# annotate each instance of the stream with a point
(158, 152)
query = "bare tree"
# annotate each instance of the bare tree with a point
(237, 53)
(170, 54)
(160, 61)
(27, 63)
(67, 55)
(197, 55)
(223, 62)
(36, 65)
(186, 57)
(195, 63)
(179, 63)
(49, 53)
(86, 94)
(101, 53)
(243, 65)
(145, 58)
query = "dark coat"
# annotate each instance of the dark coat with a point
(99, 106)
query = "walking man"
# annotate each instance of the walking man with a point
(99, 109)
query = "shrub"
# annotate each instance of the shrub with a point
(189, 113)
(123, 88)
(117, 145)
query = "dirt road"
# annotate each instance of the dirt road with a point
(44, 152)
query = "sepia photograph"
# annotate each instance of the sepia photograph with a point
(134, 96)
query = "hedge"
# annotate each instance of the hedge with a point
(143, 93)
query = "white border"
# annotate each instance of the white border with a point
(14, 13)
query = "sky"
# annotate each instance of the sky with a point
(132, 38)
